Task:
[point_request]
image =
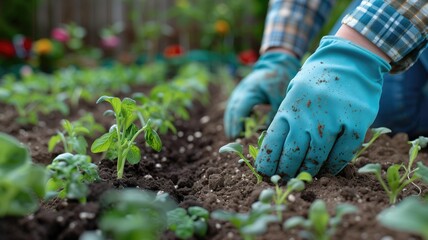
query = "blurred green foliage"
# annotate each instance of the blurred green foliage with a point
(12, 21)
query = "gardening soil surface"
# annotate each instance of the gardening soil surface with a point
(192, 171)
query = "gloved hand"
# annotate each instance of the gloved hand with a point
(328, 108)
(266, 84)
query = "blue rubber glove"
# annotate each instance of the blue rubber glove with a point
(266, 84)
(328, 108)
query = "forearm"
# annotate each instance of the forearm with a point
(394, 30)
(292, 24)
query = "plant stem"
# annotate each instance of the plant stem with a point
(258, 176)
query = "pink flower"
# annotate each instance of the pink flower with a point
(110, 41)
(60, 34)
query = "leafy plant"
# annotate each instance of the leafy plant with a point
(249, 224)
(377, 132)
(410, 215)
(72, 138)
(319, 225)
(238, 149)
(280, 195)
(119, 142)
(69, 176)
(396, 181)
(132, 214)
(253, 124)
(22, 183)
(186, 223)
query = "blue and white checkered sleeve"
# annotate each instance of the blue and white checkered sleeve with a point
(292, 24)
(393, 27)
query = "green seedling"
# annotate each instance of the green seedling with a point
(69, 176)
(187, 223)
(22, 183)
(280, 195)
(396, 181)
(319, 225)
(410, 215)
(377, 132)
(72, 138)
(249, 224)
(253, 151)
(132, 214)
(119, 142)
(253, 124)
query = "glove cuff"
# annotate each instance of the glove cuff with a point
(277, 60)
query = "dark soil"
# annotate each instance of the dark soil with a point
(191, 170)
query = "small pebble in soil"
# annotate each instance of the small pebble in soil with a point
(190, 138)
(230, 235)
(204, 119)
(60, 219)
(357, 218)
(148, 176)
(209, 148)
(364, 235)
(180, 134)
(291, 198)
(197, 134)
(387, 238)
(72, 225)
(30, 217)
(158, 165)
(164, 159)
(182, 149)
(190, 146)
(219, 127)
(175, 186)
(86, 215)
(218, 225)
(160, 192)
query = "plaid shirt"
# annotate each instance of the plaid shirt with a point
(397, 27)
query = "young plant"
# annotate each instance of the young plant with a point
(249, 224)
(410, 215)
(132, 214)
(72, 138)
(69, 176)
(253, 124)
(280, 195)
(396, 181)
(238, 149)
(22, 184)
(377, 132)
(186, 223)
(319, 225)
(119, 142)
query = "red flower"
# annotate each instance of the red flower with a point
(173, 51)
(248, 57)
(6, 48)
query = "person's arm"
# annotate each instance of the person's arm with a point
(396, 28)
(291, 25)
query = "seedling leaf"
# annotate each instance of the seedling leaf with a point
(422, 172)
(253, 151)
(103, 143)
(370, 168)
(153, 139)
(293, 222)
(275, 179)
(199, 212)
(134, 155)
(231, 147)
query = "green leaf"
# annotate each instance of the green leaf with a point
(370, 168)
(305, 176)
(13, 154)
(319, 216)
(103, 143)
(393, 176)
(410, 215)
(275, 179)
(231, 148)
(422, 172)
(293, 222)
(134, 155)
(180, 223)
(53, 141)
(253, 151)
(261, 138)
(345, 208)
(153, 139)
(128, 111)
(114, 101)
(266, 195)
(259, 226)
(295, 184)
(199, 212)
(200, 227)
(380, 130)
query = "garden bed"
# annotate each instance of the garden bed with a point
(192, 171)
